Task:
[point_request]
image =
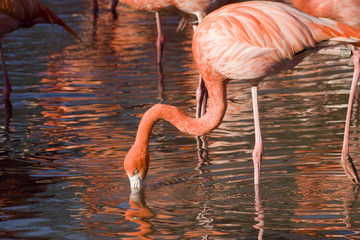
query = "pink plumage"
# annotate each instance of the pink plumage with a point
(345, 11)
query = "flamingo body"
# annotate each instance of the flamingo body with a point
(345, 11)
(16, 14)
(250, 41)
(186, 6)
(244, 41)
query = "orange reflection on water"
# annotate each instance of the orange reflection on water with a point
(140, 214)
(320, 181)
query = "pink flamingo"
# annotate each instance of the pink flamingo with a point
(24, 14)
(345, 11)
(247, 41)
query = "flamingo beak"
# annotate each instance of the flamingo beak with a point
(135, 181)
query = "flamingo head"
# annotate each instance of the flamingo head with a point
(136, 165)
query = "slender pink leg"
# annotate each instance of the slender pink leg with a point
(346, 161)
(258, 148)
(201, 91)
(160, 38)
(7, 85)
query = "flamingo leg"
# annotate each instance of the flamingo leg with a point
(160, 39)
(201, 98)
(7, 85)
(346, 161)
(95, 6)
(113, 6)
(201, 91)
(258, 148)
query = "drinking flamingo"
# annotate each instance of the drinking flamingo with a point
(247, 41)
(345, 11)
(16, 14)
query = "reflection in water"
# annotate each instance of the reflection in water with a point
(318, 213)
(140, 214)
(317, 202)
(202, 153)
(259, 213)
(8, 115)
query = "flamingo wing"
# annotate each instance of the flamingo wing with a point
(345, 11)
(249, 40)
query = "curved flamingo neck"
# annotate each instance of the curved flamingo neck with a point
(186, 124)
(137, 159)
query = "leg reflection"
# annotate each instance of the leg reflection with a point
(8, 112)
(259, 212)
(351, 198)
(203, 153)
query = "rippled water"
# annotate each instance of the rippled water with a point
(74, 113)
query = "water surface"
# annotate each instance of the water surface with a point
(74, 113)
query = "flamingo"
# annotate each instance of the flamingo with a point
(16, 14)
(247, 41)
(345, 11)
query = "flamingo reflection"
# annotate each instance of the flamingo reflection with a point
(140, 214)
(259, 213)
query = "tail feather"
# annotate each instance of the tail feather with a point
(351, 32)
(341, 32)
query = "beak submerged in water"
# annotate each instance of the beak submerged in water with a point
(136, 183)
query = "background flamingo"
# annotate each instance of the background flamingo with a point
(245, 41)
(23, 14)
(345, 11)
